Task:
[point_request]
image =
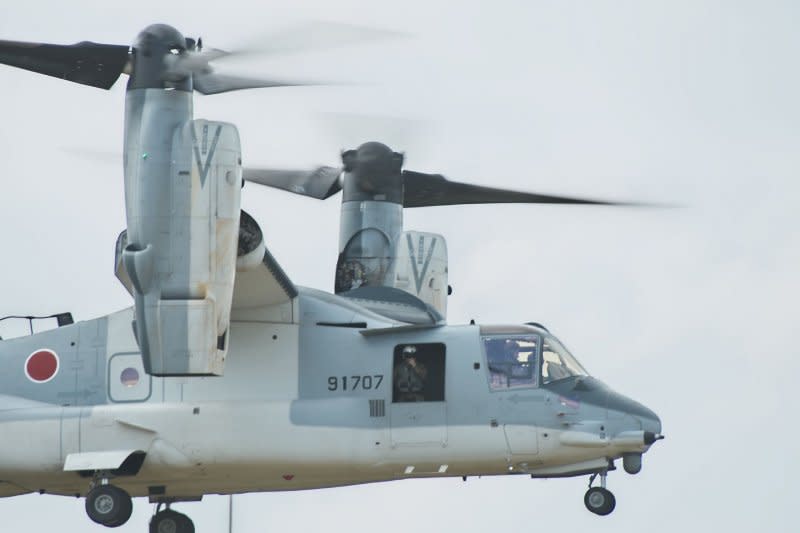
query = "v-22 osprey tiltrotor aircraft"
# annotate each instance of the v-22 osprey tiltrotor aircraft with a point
(224, 377)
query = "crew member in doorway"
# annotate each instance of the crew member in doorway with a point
(409, 377)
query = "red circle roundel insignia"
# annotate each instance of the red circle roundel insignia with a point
(42, 366)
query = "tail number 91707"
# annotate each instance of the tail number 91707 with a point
(368, 382)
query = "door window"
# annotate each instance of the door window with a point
(127, 380)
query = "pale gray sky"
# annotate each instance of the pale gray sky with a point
(691, 311)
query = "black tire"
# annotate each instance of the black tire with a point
(108, 505)
(169, 521)
(600, 501)
(125, 513)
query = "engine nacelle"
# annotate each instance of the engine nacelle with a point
(421, 268)
(181, 258)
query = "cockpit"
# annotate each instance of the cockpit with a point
(526, 357)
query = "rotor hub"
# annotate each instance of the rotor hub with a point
(158, 39)
(152, 69)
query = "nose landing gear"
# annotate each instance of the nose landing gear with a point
(169, 521)
(599, 500)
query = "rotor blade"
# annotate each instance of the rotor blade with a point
(191, 62)
(321, 183)
(212, 83)
(314, 35)
(353, 129)
(210, 54)
(98, 65)
(422, 190)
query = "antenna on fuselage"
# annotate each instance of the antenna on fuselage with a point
(62, 319)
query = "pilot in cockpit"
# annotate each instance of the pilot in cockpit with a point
(554, 366)
(512, 362)
(503, 356)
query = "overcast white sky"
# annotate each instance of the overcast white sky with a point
(691, 311)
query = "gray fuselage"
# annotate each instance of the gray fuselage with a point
(301, 405)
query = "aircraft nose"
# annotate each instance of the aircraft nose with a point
(619, 405)
(650, 421)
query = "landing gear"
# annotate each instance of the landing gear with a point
(599, 500)
(108, 505)
(169, 521)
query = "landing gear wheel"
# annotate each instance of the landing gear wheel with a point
(109, 505)
(125, 513)
(169, 521)
(599, 501)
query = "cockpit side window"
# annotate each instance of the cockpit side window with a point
(558, 363)
(512, 360)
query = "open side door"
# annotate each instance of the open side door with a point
(418, 412)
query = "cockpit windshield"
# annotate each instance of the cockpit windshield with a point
(558, 363)
(527, 360)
